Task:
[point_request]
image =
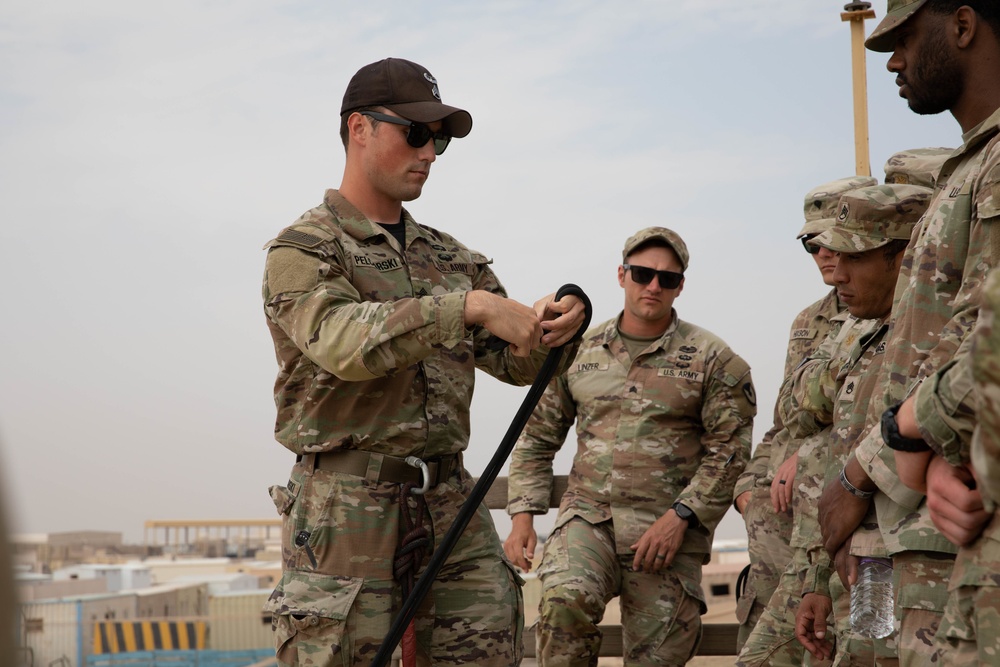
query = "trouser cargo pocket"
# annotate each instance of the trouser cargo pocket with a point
(309, 617)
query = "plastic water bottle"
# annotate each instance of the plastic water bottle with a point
(872, 599)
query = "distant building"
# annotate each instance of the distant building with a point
(47, 552)
(119, 577)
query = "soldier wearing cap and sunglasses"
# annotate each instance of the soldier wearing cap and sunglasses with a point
(832, 389)
(763, 492)
(945, 57)
(378, 326)
(664, 412)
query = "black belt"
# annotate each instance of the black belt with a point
(384, 468)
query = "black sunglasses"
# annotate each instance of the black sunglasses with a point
(418, 135)
(644, 275)
(810, 248)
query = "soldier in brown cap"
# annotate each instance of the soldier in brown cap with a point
(378, 326)
(663, 411)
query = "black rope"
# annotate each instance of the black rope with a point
(415, 541)
(478, 493)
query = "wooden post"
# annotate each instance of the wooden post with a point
(856, 13)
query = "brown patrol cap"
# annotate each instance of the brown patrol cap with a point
(897, 13)
(668, 236)
(872, 217)
(820, 207)
(407, 89)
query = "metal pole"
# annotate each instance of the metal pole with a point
(856, 13)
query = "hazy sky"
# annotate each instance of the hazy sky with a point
(147, 152)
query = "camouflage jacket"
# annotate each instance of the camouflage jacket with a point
(808, 331)
(674, 424)
(976, 564)
(935, 308)
(372, 348)
(986, 373)
(833, 389)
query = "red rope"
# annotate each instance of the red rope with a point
(408, 559)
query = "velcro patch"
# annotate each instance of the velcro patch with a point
(591, 366)
(295, 237)
(681, 373)
(803, 334)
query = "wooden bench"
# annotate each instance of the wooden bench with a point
(717, 638)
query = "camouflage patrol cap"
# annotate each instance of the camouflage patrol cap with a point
(407, 89)
(917, 166)
(820, 207)
(871, 217)
(668, 236)
(882, 38)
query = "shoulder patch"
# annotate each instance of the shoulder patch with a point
(749, 393)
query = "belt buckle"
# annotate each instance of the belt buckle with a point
(425, 475)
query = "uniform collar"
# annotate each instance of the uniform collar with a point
(360, 227)
(610, 332)
(971, 141)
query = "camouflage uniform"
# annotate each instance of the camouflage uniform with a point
(772, 641)
(970, 629)
(958, 404)
(769, 532)
(374, 357)
(671, 425)
(936, 305)
(825, 407)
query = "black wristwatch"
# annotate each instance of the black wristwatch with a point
(685, 512)
(890, 433)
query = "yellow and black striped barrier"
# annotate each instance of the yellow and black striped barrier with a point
(131, 636)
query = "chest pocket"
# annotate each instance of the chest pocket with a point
(441, 270)
(674, 390)
(988, 210)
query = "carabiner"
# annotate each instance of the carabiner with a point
(425, 474)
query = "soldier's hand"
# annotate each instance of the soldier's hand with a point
(559, 319)
(840, 512)
(506, 319)
(846, 564)
(781, 485)
(955, 508)
(810, 625)
(657, 547)
(520, 544)
(742, 501)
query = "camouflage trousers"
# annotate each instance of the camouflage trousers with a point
(853, 650)
(772, 641)
(970, 630)
(920, 581)
(768, 535)
(337, 596)
(581, 571)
